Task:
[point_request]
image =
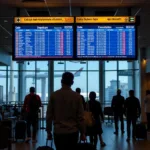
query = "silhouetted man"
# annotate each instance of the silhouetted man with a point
(31, 106)
(118, 109)
(78, 90)
(132, 111)
(65, 109)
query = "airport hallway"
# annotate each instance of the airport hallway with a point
(113, 142)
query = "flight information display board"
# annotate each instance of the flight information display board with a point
(43, 41)
(106, 41)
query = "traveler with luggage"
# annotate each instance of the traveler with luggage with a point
(65, 109)
(31, 106)
(117, 106)
(96, 130)
(132, 112)
(78, 90)
(147, 108)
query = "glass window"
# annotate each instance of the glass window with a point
(76, 65)
(2, 68)
(136, 63)
(29, 78)
(81, 82)
(3, 83)
(125, 65)
(59, 65)
(137, 84)
(42, 65)
(125, 84)
(42, 85)
(93, 65)
(110, 65)
(93, 85)
(30, 65)
(15, 65)
(12, 86)
(110, 86)
(57, 80)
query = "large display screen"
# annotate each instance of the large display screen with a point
(106, 41)
(43, 41)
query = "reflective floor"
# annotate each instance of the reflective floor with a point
(113, 142)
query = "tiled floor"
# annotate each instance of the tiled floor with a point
(113, 142)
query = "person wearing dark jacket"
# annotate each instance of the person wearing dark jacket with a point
(78, 90)
(118, 109)
(132, 112)
(96, 109)
(32, 103)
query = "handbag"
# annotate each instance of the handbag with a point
(88, 117)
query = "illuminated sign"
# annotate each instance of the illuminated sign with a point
(37, 20)
(105, 19)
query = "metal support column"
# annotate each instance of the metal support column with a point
(7, 85)
(50, 90)
(50, 78)
(101, 83)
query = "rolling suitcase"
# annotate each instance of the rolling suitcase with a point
(20, 130)
(141, 132)
(8, 124)
(85, 146)
(46, 147)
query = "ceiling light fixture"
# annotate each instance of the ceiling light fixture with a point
(70, 9)
(137, 12)
(47, 7)
(5, 21)
(5, 30)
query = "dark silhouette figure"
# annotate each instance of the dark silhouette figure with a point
(78, 90)
(96, 109)
(65, 109)
(31, 106)
(118, 109)
(147, 108)
(132, 112)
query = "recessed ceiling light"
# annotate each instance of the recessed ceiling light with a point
(5, 21)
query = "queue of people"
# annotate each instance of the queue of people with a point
(66, 112)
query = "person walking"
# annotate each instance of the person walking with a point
(132, 112)
(118, 109)
(65, 109)
(96, 109)
(31, 106)
(78, 90)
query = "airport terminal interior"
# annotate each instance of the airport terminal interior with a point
(97, 71)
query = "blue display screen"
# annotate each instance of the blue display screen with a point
(43, 41)
(106, 41)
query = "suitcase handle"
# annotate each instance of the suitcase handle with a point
(51, 142)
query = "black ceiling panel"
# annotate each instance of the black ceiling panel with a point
(38, 13)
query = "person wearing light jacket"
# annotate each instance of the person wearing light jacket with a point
(66, 111)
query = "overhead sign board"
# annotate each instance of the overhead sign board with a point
(124, 19)
(36, 20)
